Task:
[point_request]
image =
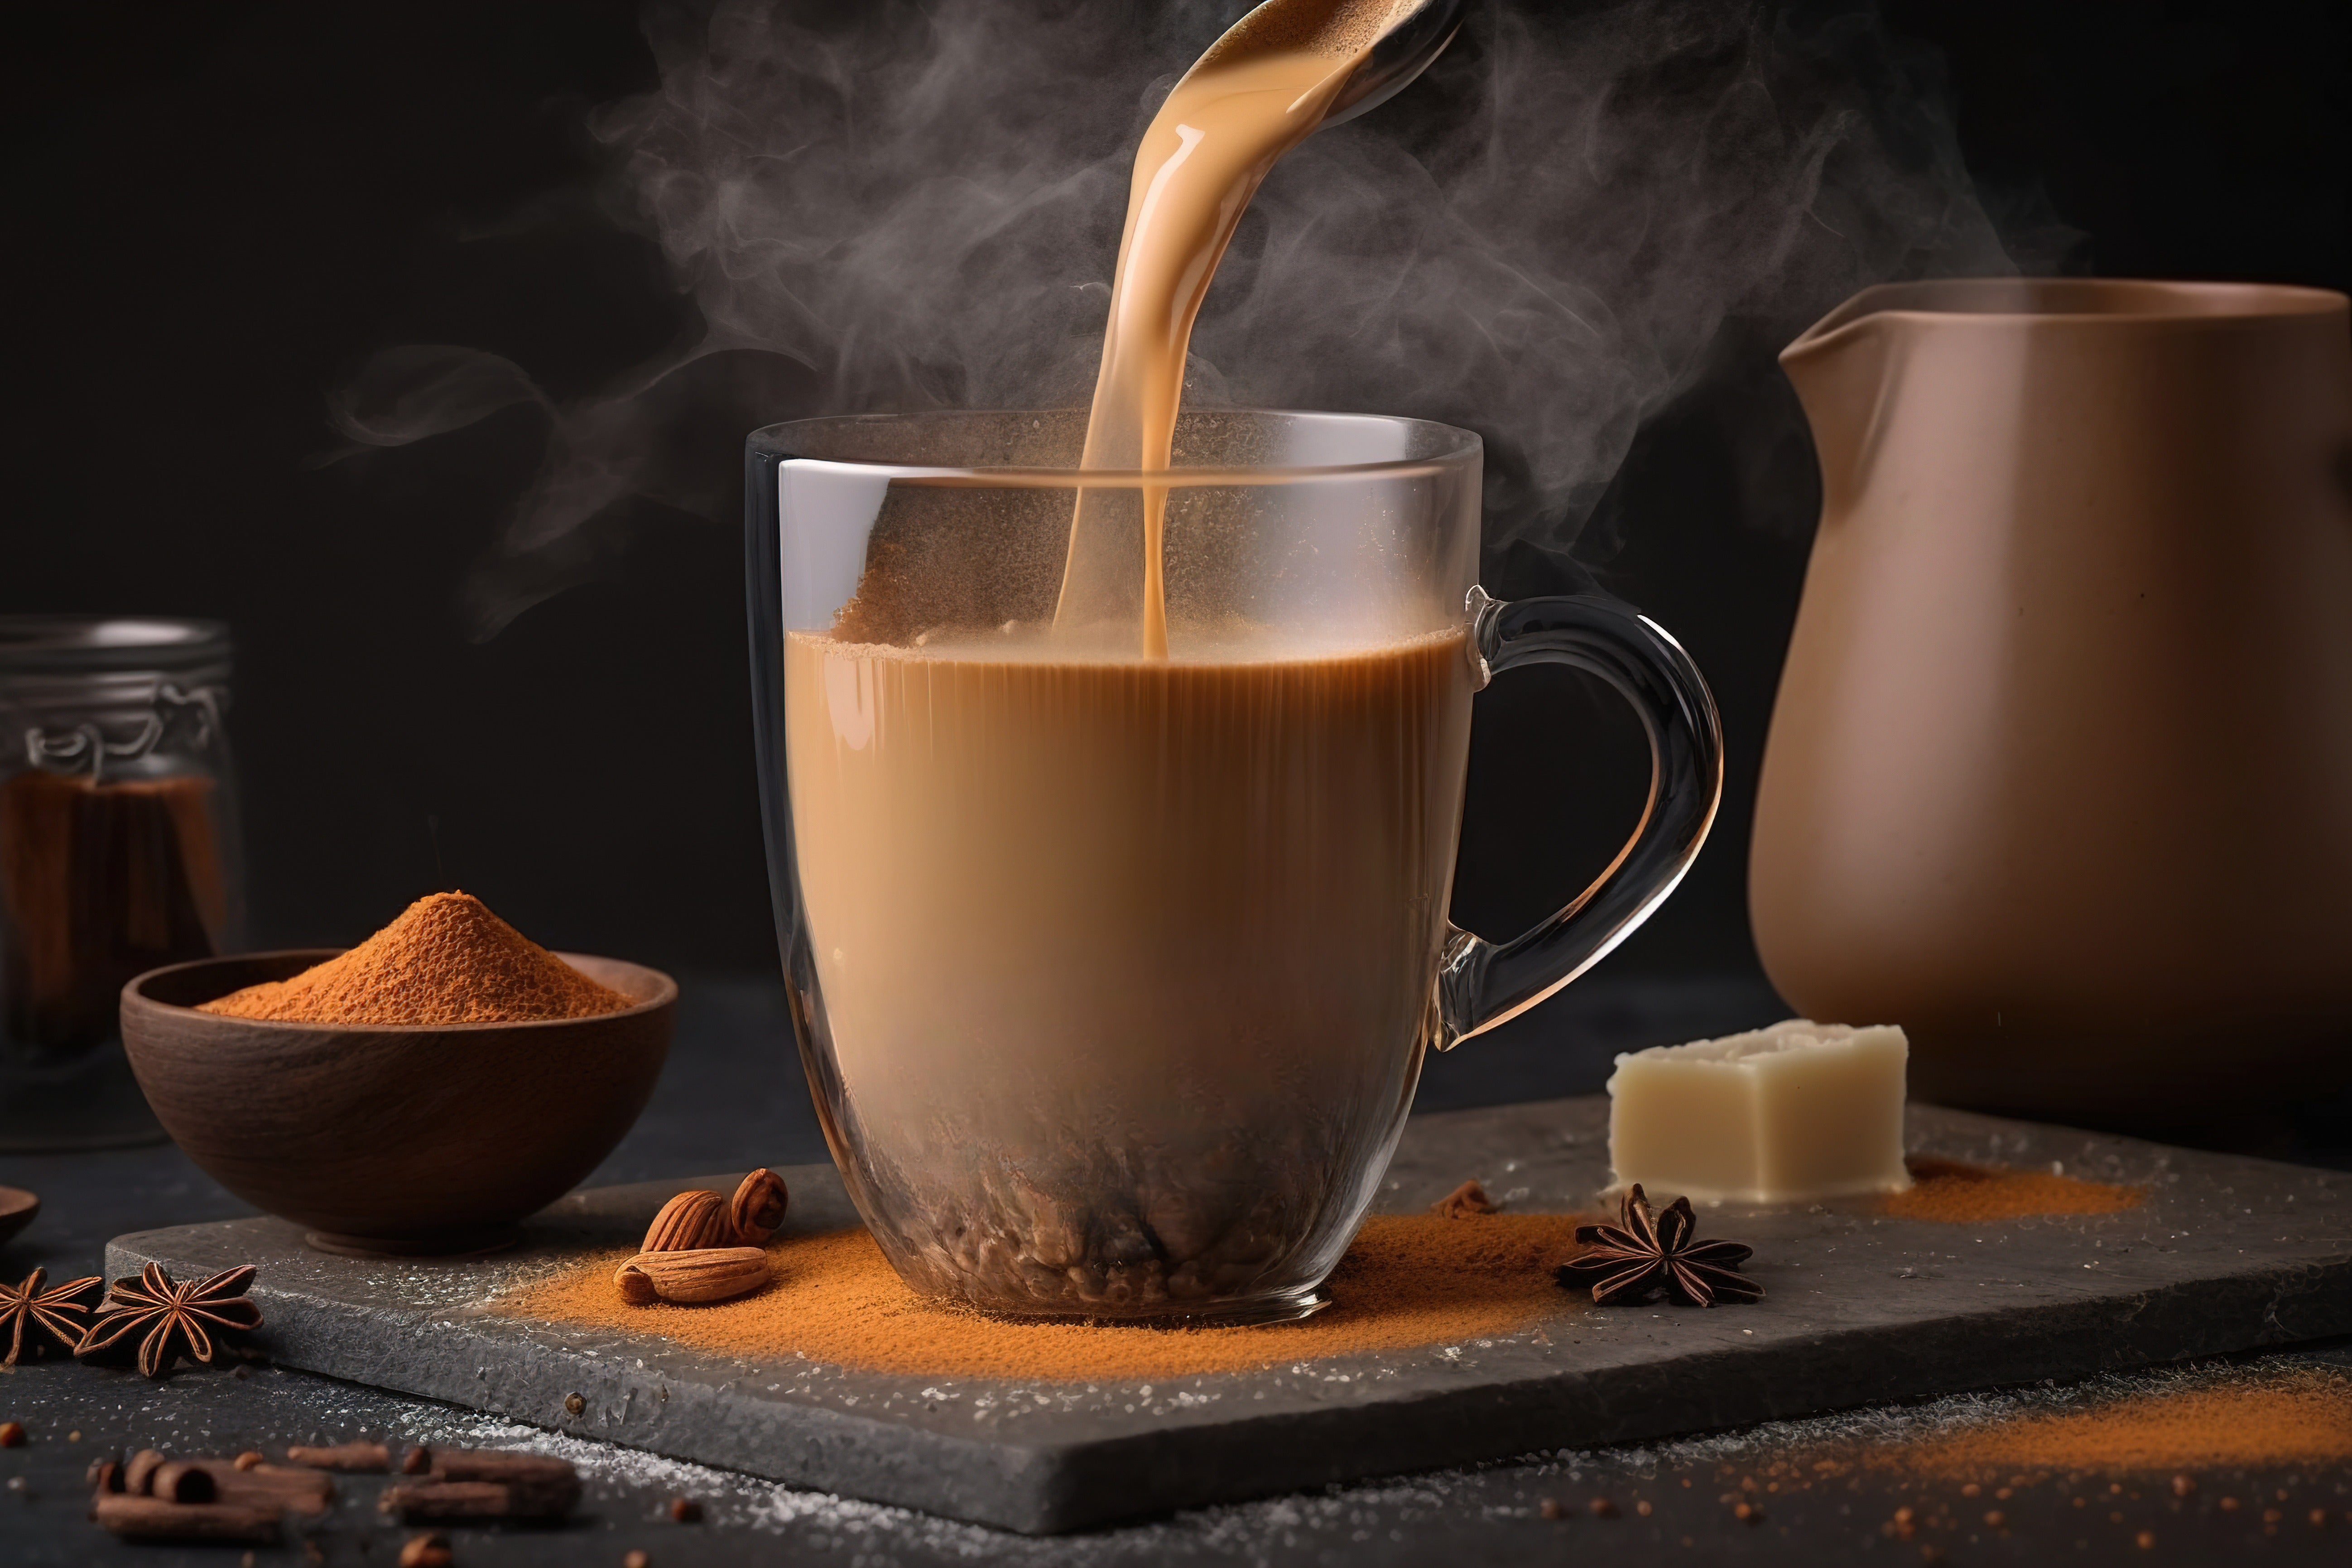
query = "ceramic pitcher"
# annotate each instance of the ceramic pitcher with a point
(2060, 776)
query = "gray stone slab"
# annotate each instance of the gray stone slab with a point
(2228, 1254)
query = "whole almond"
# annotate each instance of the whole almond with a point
(758, 1208)
(688, 1223)
(704, 1274)
(637, 1285)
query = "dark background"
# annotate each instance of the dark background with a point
(221, 209)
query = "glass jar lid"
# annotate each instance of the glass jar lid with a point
(110, 694)
(100, 645)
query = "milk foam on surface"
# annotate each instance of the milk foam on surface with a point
(1796, 1112)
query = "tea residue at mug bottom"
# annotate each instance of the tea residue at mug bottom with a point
(1410, 1280)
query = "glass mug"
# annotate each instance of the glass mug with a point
(1113, 977)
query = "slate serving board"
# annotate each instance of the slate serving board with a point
(2227, 1254)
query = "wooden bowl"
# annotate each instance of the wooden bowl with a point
(17, 1209)
(400, 1139)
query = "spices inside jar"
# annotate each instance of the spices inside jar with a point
(103, 880)
(118, 820)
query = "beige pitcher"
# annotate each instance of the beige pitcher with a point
(2060, 777)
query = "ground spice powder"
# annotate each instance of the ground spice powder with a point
(2298, 1416)
(1959, 1193)
(1408, 1280)
(446, 959)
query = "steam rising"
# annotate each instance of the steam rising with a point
(921, 205)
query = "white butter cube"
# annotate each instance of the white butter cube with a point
(1797, 1112)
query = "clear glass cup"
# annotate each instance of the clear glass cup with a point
(1113, 976)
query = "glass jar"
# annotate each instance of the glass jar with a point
(119, 846)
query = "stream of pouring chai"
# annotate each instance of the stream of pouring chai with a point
(1259, 91)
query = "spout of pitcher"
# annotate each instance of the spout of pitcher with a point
(1844, 368)
(1849, 366)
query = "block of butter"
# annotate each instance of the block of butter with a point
(1796, 1112)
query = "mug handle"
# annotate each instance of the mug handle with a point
(1481, 983)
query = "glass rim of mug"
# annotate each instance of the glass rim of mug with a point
(1457, 448)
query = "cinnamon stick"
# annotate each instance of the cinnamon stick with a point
(141, 1470)
(351, 1458)
(508, 1465)
(429, 1501)
(305, 1491)
(176, 1480)
(156, 1518)
(538, 1486)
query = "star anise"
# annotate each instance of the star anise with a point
(1653, 1249)
(171, 1317)
(53, 1309)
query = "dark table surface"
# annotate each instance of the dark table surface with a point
(733, 1096)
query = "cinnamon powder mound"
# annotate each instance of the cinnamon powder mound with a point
(1959, 1193)
(1408, 1280)
(446, 959)
(2295, 1416)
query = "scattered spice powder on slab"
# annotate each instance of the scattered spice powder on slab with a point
(2298, 1415)
(1960, 1193)
(446, 959)
(1408, 1280)
(1468, 1201)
